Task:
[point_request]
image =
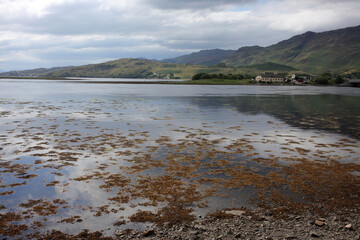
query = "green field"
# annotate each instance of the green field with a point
(216, 82)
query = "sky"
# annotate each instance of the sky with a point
(49, 33)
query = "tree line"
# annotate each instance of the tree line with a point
(200, 76)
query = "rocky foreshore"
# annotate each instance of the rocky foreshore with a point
(239, 224)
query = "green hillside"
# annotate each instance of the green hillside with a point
(140, 68)
(125, 68)
(270, 66)
(37, 72)
(203, 57)
(335, 51)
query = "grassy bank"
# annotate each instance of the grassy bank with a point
(39, 78)
(215, 82)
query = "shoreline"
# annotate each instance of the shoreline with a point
(258, 223)
(40, 78)
(254, 224)
(224, 82)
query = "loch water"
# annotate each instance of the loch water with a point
(80, 155)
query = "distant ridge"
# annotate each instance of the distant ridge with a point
(203, 57)
(37, 72)
(333, 51)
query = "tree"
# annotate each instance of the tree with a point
(322, 80)
(327, 75)
(199, 76)
(339, 80)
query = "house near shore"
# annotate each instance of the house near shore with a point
(353, 82)
(301, 78)
(270, 77)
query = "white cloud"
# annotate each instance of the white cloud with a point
(295, 16)
(197, 5)
(19, 8)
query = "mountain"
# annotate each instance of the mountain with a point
(134, 68)
(270, 66)
(38, 72)
(334, 51)
(203, 57)
(143, 68)
(122, 68)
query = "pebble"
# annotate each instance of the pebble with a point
(200, 227)
(242, 227)
(239, 235)
(235, 212)
(118, 233)
(319, 223)
(314, 234)
(349, 226)
(149, 233)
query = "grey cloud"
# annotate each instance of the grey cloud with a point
(83, 18)
(196, 4)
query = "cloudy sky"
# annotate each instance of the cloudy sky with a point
(47, 33)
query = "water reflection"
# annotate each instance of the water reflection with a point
(78, 162)
(332, 113)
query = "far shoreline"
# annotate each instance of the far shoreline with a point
(214, 82)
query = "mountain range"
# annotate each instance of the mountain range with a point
(203, 57)
(332, 51)
(336, 51)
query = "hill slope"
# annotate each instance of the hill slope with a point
(203, 57)
(138, 68)
(334, 51)
(142, 68)
(37, 72)
(122, 68)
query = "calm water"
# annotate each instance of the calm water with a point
(86, 155)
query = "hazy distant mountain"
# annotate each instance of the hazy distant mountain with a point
(334, 51)
(38, 72)
(203, 57)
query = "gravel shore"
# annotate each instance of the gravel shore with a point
(239, 224)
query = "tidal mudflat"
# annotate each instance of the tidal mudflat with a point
(109, 157)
